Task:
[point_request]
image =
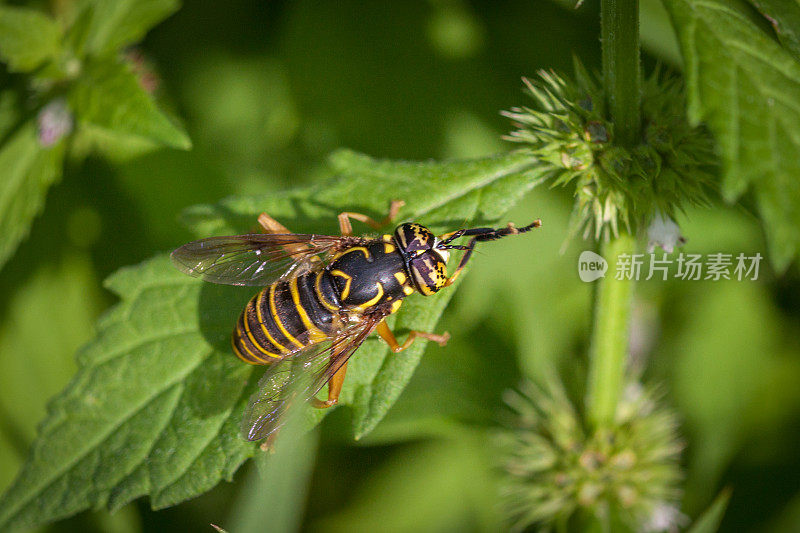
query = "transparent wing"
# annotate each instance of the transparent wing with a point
(300, 377)
(255, 259)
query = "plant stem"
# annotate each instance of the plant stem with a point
(619, 30)
(609, 343)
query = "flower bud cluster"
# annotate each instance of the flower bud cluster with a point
(567, 128)
(558, 473)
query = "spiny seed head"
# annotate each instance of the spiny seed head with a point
(555, 471)
(567, 128)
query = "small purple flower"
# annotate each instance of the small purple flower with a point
(665, 517)
(664, 233)
(54, 121)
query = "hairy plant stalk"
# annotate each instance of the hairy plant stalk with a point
(609, 344)
(619, 29)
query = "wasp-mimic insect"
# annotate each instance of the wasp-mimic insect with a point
(324, 295)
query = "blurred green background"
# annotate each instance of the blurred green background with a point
(267, 90)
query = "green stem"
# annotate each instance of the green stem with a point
(619, 28)
(609, 344)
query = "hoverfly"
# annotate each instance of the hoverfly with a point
(324, 295)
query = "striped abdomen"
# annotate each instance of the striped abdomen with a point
(286, 316)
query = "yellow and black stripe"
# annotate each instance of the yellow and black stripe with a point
(285, 317)
(367, 276)
(292, 314)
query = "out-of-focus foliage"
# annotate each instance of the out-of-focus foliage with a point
(747, 88)
(71, 69)
(267, 90)
(784, 15)
(28, 171)
(709, 521)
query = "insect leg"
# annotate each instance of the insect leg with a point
(461, 264)
(387, 335)
(335, 385)
(269, 443)
(334, 389)
(272, 226)
(347, 228)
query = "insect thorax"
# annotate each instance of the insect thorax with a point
(369, 275)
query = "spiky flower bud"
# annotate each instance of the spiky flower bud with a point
(568, 129)
(556, 472)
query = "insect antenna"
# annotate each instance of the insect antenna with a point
(485, 234)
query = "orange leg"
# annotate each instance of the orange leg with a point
(347, 228)
(454, 277)
(387, 335)
(334, 388)
(272, 226)
(269, 443)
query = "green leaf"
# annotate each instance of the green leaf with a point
(27, 38)
(709, 521)
(149, 411)
(109, 96)
(747, 88)
(116, 147)
(28, 171)
(156, 404)
(114, 24)
(784, 15)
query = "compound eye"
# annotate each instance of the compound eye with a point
(414, 238)
(430, 272)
